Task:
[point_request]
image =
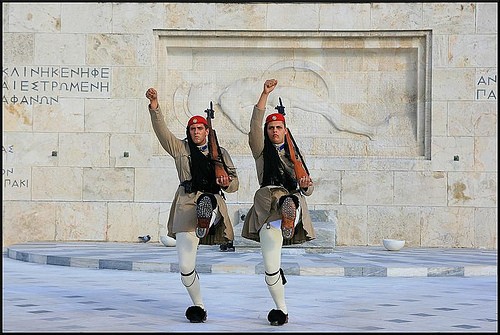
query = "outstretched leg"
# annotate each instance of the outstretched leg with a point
(271, 241)
(187, 246)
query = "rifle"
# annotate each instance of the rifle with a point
(298, 165)
(214, 151)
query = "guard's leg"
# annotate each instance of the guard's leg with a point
(187, 244)
(207, 212)
(271, 240)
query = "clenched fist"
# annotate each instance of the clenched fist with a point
(152, 95)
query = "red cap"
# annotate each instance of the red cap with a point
(275, 117)
(197, 119)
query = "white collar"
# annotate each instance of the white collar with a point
(279, 147)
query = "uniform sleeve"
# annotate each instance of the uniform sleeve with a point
(256, 134)
(235, 183)
(309, 190)
(168, 141)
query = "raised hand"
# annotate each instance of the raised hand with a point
(152, 95)
(269, 85)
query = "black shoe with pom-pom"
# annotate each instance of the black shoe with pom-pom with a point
(277, 318)
(196, 314)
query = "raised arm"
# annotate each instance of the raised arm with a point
(173, 145)
(256, 134)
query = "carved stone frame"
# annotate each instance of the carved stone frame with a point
(184, 56)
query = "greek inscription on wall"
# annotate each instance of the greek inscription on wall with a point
(44, 85)
(486, 87)
(8, 149)
(8, 174)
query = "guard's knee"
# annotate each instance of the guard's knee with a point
(188, 279)
(272, 278)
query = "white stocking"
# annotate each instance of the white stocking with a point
(271, 240)
(187, 246)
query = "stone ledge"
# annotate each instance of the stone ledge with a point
(343, 261)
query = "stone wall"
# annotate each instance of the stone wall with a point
(393, 105)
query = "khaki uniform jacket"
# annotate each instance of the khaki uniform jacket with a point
(182, 217)
(265, 206)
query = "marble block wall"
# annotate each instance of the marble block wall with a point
(394, 106)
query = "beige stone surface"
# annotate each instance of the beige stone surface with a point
(26, 149)
(419, 188)
(128, 221)
(483, 147)
(108, 184)
(394, 106)
(477, 189)
(66, 116)
(165, 180)
(485, 227)
(81, 221)
(25, 221)
(448, 227)
(368, 188)
(352, 226)
(131, 150)
(57, 183)
(84, 149)
(106, 117)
